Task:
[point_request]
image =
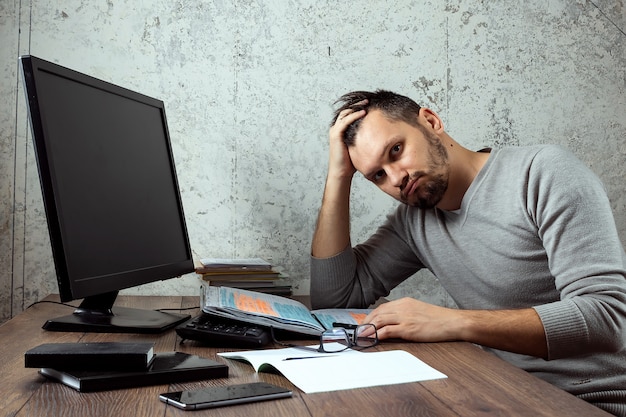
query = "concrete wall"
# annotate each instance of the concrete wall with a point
(249, 88)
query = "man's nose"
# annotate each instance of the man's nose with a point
(397, 177)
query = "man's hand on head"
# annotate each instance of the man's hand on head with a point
(340, 164)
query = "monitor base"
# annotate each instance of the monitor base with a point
(122, 320)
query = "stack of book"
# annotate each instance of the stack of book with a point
(98, 366)
(254, 274)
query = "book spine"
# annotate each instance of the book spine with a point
(96, 362)
(144, 379)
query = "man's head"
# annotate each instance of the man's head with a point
(397, 146)
(394, 106)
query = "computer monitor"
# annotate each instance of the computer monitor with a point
(111, 196)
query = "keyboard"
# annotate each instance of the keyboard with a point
(223, 332)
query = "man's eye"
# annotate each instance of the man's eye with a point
(378, 175)
(396, 149)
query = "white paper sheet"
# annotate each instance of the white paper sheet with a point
(319, 372)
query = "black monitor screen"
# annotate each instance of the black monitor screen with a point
(109, 182)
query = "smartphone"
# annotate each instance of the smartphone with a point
(212, 397)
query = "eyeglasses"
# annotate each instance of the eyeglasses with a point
(338, 339)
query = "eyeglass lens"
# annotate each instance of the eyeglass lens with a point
(365, 335)
(335, 340)
(338, 339)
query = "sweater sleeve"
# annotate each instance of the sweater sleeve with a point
(570, 208)
(357, 277)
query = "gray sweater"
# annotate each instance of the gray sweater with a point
(535, 229)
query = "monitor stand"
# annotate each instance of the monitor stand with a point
(97, 314)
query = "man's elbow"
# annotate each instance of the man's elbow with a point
(322, 299)
(616, 342)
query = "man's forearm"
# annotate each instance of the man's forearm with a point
(332, 231)
(519, 331)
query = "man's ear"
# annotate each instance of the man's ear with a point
(431, 119)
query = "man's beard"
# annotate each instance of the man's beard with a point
(429, 194)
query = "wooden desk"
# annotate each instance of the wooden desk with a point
(478, 383)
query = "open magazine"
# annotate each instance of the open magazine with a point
(274, 311)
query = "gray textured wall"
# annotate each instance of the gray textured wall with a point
(249, 88)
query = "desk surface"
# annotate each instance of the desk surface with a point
(478, 383)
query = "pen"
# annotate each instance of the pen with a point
(346, 326)
(307, 357)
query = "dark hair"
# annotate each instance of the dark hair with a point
(394, 107)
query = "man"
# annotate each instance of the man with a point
(522, 238)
